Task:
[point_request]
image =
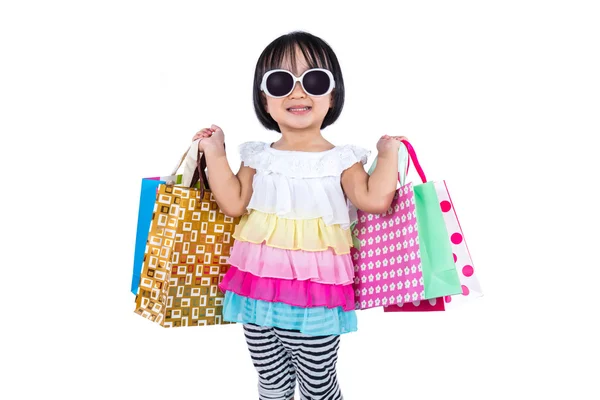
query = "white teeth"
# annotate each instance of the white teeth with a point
(298, 109)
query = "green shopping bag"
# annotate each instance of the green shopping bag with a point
(439, 270)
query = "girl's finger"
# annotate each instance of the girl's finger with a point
(201, 135)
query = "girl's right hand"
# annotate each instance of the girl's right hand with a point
(212, 138)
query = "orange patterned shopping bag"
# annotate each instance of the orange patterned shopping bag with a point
(187, 252)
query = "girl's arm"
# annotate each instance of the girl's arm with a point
(232, 191)
(374, 193)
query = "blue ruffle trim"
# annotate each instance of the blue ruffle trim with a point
(317, 321)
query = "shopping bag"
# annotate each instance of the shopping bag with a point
(470, 287)
(187, 252)
(146, 208)
(404, 254)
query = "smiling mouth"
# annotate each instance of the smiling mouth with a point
(293, 109)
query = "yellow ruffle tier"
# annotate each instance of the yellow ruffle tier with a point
(292, 234)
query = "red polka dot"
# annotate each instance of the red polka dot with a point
(465, 290)
(456, 238)
(467, 270)
(446, 206)
(455, 258)
(448, 299)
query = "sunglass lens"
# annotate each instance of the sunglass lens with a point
(316, 83)
(279, 83)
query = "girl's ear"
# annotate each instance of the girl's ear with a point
(331, 101)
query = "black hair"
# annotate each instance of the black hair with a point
(318, 54)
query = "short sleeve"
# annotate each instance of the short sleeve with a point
(351, 155)
(249, 151)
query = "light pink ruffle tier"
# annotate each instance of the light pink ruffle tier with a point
(293, 292)
(325, 267)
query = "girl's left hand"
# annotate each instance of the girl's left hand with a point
(389, 144)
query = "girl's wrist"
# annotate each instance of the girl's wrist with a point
(386, 153)
(214, 149)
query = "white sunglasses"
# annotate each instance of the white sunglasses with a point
(279, 83)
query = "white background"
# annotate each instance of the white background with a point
(499, 98)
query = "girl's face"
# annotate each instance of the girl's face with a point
(281, 109)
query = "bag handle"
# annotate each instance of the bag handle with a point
(200, 174)
(405, 154)
(415, 160)
(194, 170)
(195, 166)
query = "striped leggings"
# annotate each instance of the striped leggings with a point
(281, 356)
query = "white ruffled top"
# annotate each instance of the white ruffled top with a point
(299, 184)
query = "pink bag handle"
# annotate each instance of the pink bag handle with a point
(412, 155)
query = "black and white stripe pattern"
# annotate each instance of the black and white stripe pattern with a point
(281, 356)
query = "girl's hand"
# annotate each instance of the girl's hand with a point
(389, 144)
(212, 138)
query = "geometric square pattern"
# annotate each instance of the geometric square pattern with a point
(186, 257)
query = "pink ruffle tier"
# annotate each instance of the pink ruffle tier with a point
(299, 293)
(324, 267)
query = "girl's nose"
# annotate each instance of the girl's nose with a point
(298, 91)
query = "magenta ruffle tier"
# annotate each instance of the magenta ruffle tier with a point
(293, 292)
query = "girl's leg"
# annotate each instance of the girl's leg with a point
(276, 373)
(314, 358)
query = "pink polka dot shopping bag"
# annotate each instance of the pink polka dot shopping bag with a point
(414, 256)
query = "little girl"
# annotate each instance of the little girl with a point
(291, 274)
